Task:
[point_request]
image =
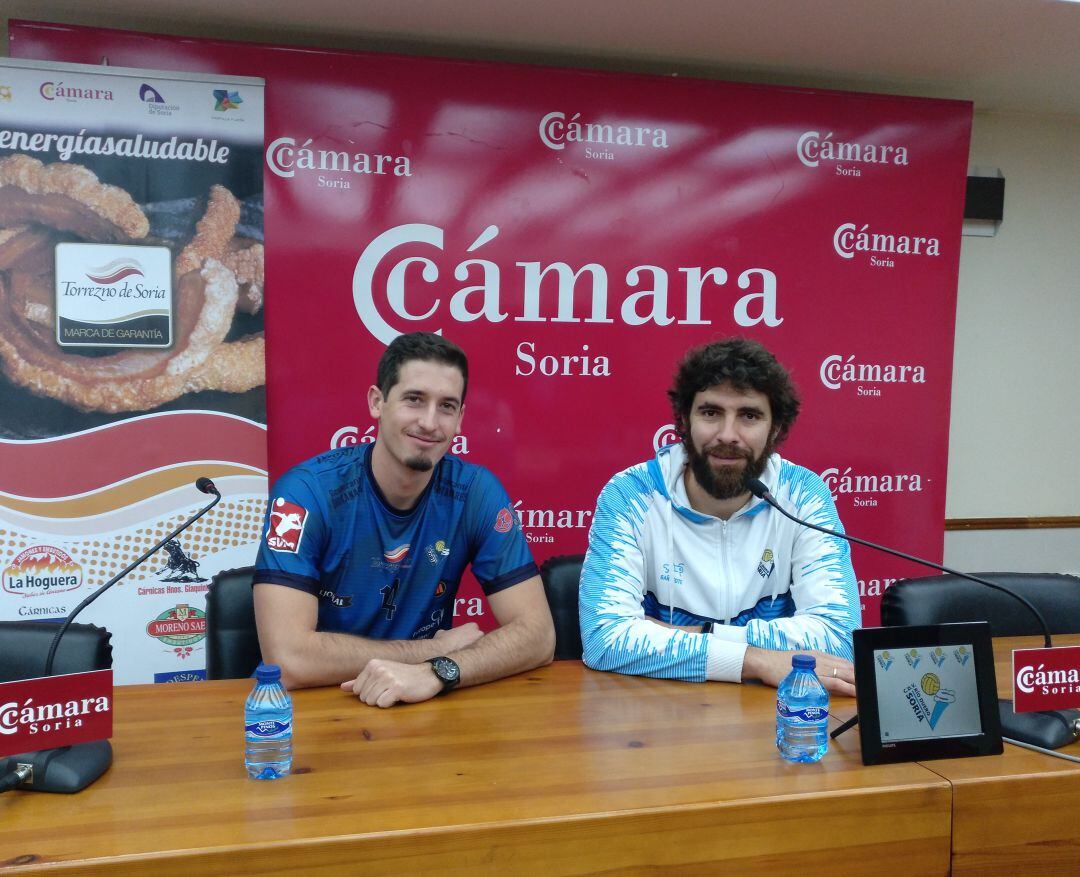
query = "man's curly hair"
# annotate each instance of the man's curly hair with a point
(744, 364)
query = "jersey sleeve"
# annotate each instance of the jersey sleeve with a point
(501, 556)
(823, 585)
(294, 534)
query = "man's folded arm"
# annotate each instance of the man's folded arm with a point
(286, 618)
(525, 638)
(825, 593)
(615, 633)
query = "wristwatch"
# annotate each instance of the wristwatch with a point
(448, 671)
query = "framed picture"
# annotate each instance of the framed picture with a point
(926, 692)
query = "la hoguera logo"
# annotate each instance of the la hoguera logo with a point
(182, 625)
(41, 570)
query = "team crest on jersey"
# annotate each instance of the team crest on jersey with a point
(440, 588)
(286, 526)
(505, 521)
(766, 565)
(433, 552)
(396, 555)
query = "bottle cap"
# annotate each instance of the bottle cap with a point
(803, 662)
(268, 673)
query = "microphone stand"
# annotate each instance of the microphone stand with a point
(1020, 725)
(72, 768)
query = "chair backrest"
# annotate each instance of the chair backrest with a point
(24, 646)
(947, 598)
(561, 576)
(232, 641)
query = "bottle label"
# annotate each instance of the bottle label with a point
(267, 730)
(813, 714)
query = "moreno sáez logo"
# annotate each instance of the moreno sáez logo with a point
(285, 158)
(850, 238)
(648, 294)
(836, 371)
(557, 129)
(812, 148)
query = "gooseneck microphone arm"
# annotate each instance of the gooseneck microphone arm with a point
(758, 489)
(203, 484)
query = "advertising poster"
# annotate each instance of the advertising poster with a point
(576, 232)
(131, 348)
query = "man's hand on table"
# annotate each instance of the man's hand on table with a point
(383, 683)
(770, 667)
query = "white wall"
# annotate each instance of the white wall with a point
(1013, 448)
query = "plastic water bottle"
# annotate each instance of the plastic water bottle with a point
(802, 713)
(268, 718)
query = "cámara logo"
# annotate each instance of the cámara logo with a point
(285, 158)
(556, 131)
(812, 149)
(540, 293)
(72, 93)
(836, 371)
(865, 488)
(665, 435)
(41, 570)
(849, 239)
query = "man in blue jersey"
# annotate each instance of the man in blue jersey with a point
(688, 576)
(365, 546)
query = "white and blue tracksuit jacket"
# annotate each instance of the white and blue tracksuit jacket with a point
(762, 579)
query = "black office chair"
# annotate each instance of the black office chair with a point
(947, 598)
(232, 641)
(24, 646)
(561, 576)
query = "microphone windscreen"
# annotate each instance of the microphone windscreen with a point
(757, 487)
(205, 485)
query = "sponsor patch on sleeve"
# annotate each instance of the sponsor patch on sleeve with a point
(505, 521)
(286, 526)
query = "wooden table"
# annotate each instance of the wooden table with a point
(1016, 813)
(558, 771)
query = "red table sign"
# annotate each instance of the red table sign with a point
(55, 711)
(1046, 679)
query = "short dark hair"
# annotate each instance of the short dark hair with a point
(746, 365)
(425, 346)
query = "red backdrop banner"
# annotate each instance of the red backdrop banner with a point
(576, 232)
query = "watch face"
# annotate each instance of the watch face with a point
(446, 670)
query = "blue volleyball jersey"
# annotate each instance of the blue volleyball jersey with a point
(380, 572)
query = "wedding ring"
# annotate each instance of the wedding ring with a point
(834, 671)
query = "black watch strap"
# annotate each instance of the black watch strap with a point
(447, 670)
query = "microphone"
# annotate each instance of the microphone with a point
(758, 489)
(1030, 728)
(205, 485)
(72, 768)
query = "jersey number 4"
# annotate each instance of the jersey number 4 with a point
(389, 595)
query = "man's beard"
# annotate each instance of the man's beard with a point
(727, 482)
(419, 464)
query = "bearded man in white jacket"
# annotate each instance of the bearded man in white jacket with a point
(688, 576)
